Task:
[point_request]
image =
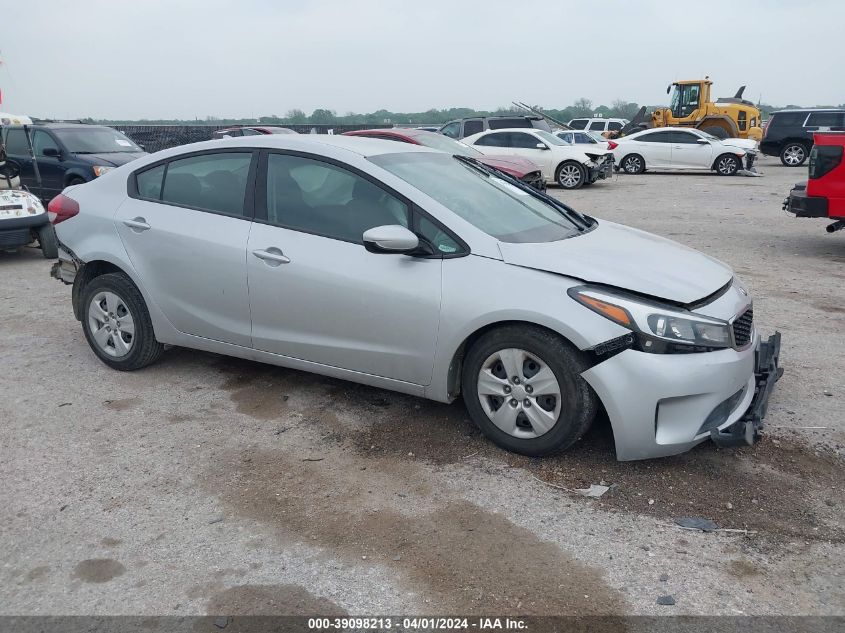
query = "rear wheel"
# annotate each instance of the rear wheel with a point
(571, 175)
(727, 165)
(48, 241)
(522, 386)
(633, 164)
(117, 324)
(793, 154)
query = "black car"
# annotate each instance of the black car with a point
(461, 128)
(789, 133)
(67, 154)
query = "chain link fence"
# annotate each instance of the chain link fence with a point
(158, 137)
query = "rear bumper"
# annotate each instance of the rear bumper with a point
(17, 231)
(665, 404)
(67, 267)
(804, 206)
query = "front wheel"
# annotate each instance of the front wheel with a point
(571, 175)
(793, 154)
(117, 324)
(522, 386)
(633, 164)
(727, 165)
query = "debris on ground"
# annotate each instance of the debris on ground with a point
(666, 600)
(664, 577)
(216, 519)
(595, 490)
(697, 523)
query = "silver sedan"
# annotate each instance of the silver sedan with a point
(421, 272)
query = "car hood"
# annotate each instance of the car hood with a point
(515, 165)
(627, 258)
(113, 159)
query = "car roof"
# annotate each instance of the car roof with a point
(834, 109)
(397, 131)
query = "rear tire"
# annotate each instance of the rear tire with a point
(633, 164)
(48, 241)
(571, 175)
(117, 323)
(560, 404)
(794, 154)
(76, 180)
(726, 165)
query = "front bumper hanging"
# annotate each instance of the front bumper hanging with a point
(746, 430)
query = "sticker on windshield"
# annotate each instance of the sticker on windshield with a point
(120, 141)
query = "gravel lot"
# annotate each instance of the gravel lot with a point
(205, 484)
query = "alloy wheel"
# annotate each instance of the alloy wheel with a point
(632, 164)
(727, 165)
(519, 393)
(794, 155)
(111, 324)
(569, 176)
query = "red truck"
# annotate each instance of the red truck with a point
(823, 195)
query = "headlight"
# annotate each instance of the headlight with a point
(99, 170)
(658, 328)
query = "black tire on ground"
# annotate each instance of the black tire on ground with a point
(48, 241)
(794, 154)
(716, 131)
(726, 165)
(633, 164)
(76, 180)
(579, 402)
(570, 174)
(145, 348)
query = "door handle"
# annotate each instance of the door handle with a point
(273, 256)
(137, 224)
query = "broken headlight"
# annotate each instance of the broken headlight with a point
(658, 328)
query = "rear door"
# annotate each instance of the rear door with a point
(688, 153)
(654, 147)
(185, 227)
(17, 151)
(317, 294)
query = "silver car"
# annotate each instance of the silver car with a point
(413, 270)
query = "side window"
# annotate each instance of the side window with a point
(597, 126)
(452, 130)
(567, 137)
(248, 132)
(578, 124)
(16, 144)
(473, 127)
(212, 182)
(149, 182)
(580, 137)
(523, 141)
(41, 141)
(654, 137)
(825, 119)
(787, 119)
(614, 126)
(742, 120)
(320, 198)
(438, 238)
(497, 139)
(684, 138)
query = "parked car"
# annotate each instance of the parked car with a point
(682, 148)
(823, 195)
(520, 168)
(580, 137)
(406, 268)
(788, 134)
(461, 128)
(67, 154)
(598, 124)
(251, 131)
(24, 220)
(569, 166)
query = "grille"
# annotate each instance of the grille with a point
(743, 327)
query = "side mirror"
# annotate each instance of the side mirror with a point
(702, 141)
(51, 151)
(542, 146)
(390, 238)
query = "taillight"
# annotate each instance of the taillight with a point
(62, 208)
(612, 145)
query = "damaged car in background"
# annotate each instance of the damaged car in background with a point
(452, 279)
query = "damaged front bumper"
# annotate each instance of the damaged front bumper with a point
(600, 169)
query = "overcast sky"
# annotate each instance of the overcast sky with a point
(134, 59)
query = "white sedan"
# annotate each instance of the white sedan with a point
(581, 137)
(678, 148)
(566, 165)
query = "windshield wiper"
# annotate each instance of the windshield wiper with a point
(581, 222)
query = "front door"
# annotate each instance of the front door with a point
(52, 168)
(186, 232)
(316, 294)
(530, 147)
(688, 153)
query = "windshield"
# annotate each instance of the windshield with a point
(596, 136)
(95, 140)
(549, 137)
(484, 200)
(446, 144)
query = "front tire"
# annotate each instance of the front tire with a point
(794, 154)
(633, 164)
(571, 175)
(48, 241)
(522, 386)
(726, 165)
(117, 323)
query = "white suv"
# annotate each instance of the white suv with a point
(598, 124)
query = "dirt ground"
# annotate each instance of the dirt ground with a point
(210, 485)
